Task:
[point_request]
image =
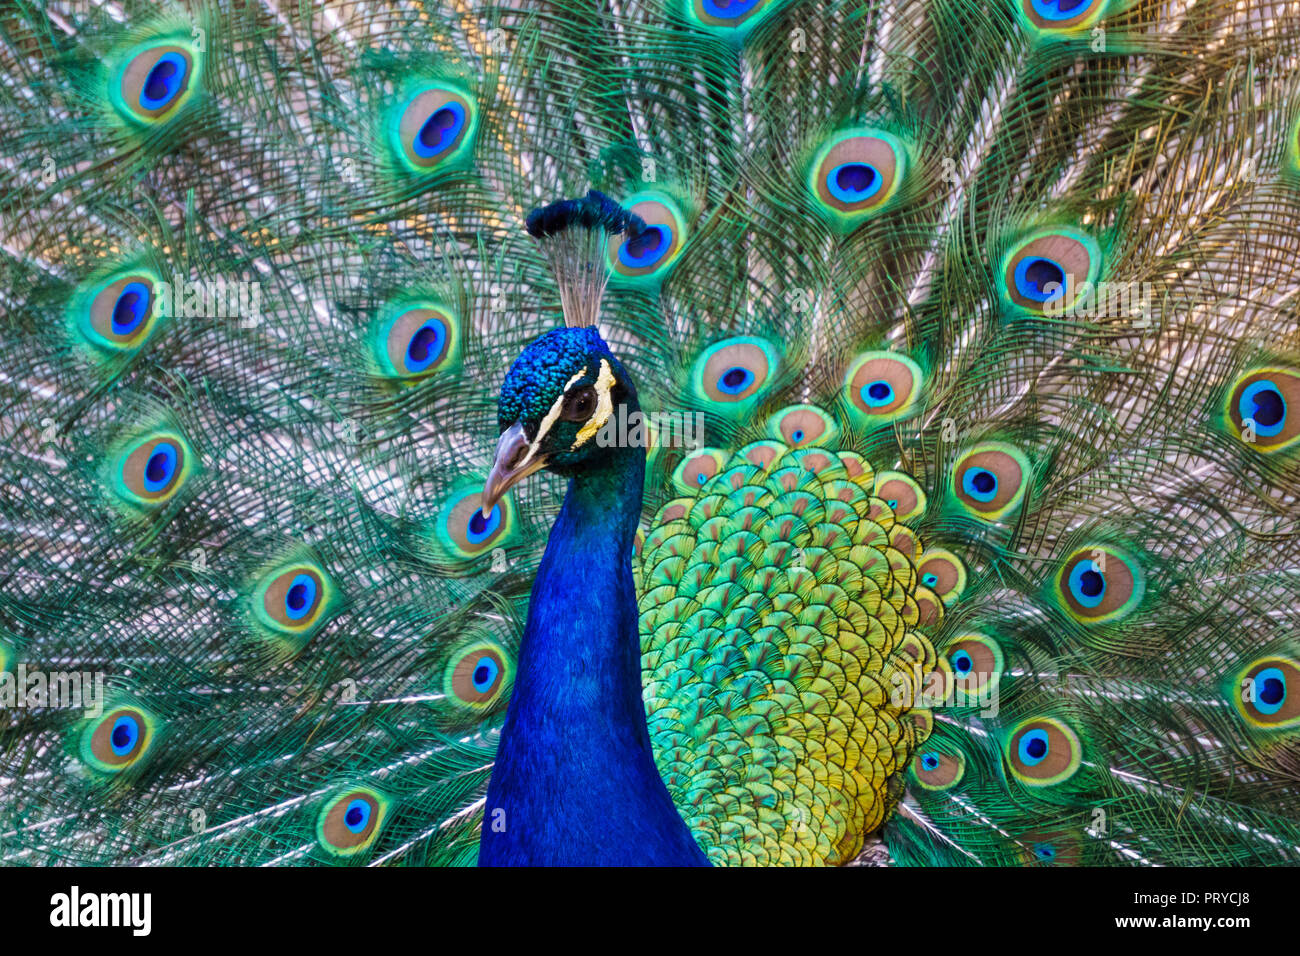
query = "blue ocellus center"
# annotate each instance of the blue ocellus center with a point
(1046, 278)
(1272, 690)
(158, 83)
(156, 468)
(129, 309)
(1059, 9)
(878, 393)
(420, 343)
(735, 380)
(1269, 407)
(121, 736)
(1036, 747)
(856, 177)
(984, 482)
(296, 599)
(729, 9)
(435, 129)
(1091, 583)
(646, 242)
(481, 527)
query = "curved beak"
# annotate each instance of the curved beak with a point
(515, 460)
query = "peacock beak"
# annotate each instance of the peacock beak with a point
(516, 459)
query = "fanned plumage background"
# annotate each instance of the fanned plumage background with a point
(1168, 139)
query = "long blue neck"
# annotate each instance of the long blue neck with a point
(575, 781)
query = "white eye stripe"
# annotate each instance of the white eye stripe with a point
(545, 425)
(604, 408)
(604, 405)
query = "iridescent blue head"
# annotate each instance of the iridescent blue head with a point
(553, 408)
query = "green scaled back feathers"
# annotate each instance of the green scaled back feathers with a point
(983, 552)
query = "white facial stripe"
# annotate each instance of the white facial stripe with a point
(550, 418)
(604, 405)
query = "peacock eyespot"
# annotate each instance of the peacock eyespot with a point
(698, 469)
(990, 479)
(151, 470)
(976, 662)
(901, 492)
(294, 600)
(478, 675)
(118, 315)
(154, 81)
(1267, 692)
(434, 127)
(417, 341)
(732, 372)
(351, 821)
(857, 173)
(882, 386)
(800, 425)
(728, 15)
(293, 596)
(154, 467)
(1100, 584)
(1048, 271)
(943, 573)
(118, 739)
(1062, 15)
(935, 770)
(1259, 408)
(465, 532)
(1043, 752)
(649, 253)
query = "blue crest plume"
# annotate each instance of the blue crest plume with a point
(573, 234)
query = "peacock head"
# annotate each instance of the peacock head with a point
(554, 403)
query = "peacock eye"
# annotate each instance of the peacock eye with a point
(579, 404)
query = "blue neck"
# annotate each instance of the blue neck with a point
(575, 778)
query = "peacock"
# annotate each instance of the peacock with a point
(681, 432)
